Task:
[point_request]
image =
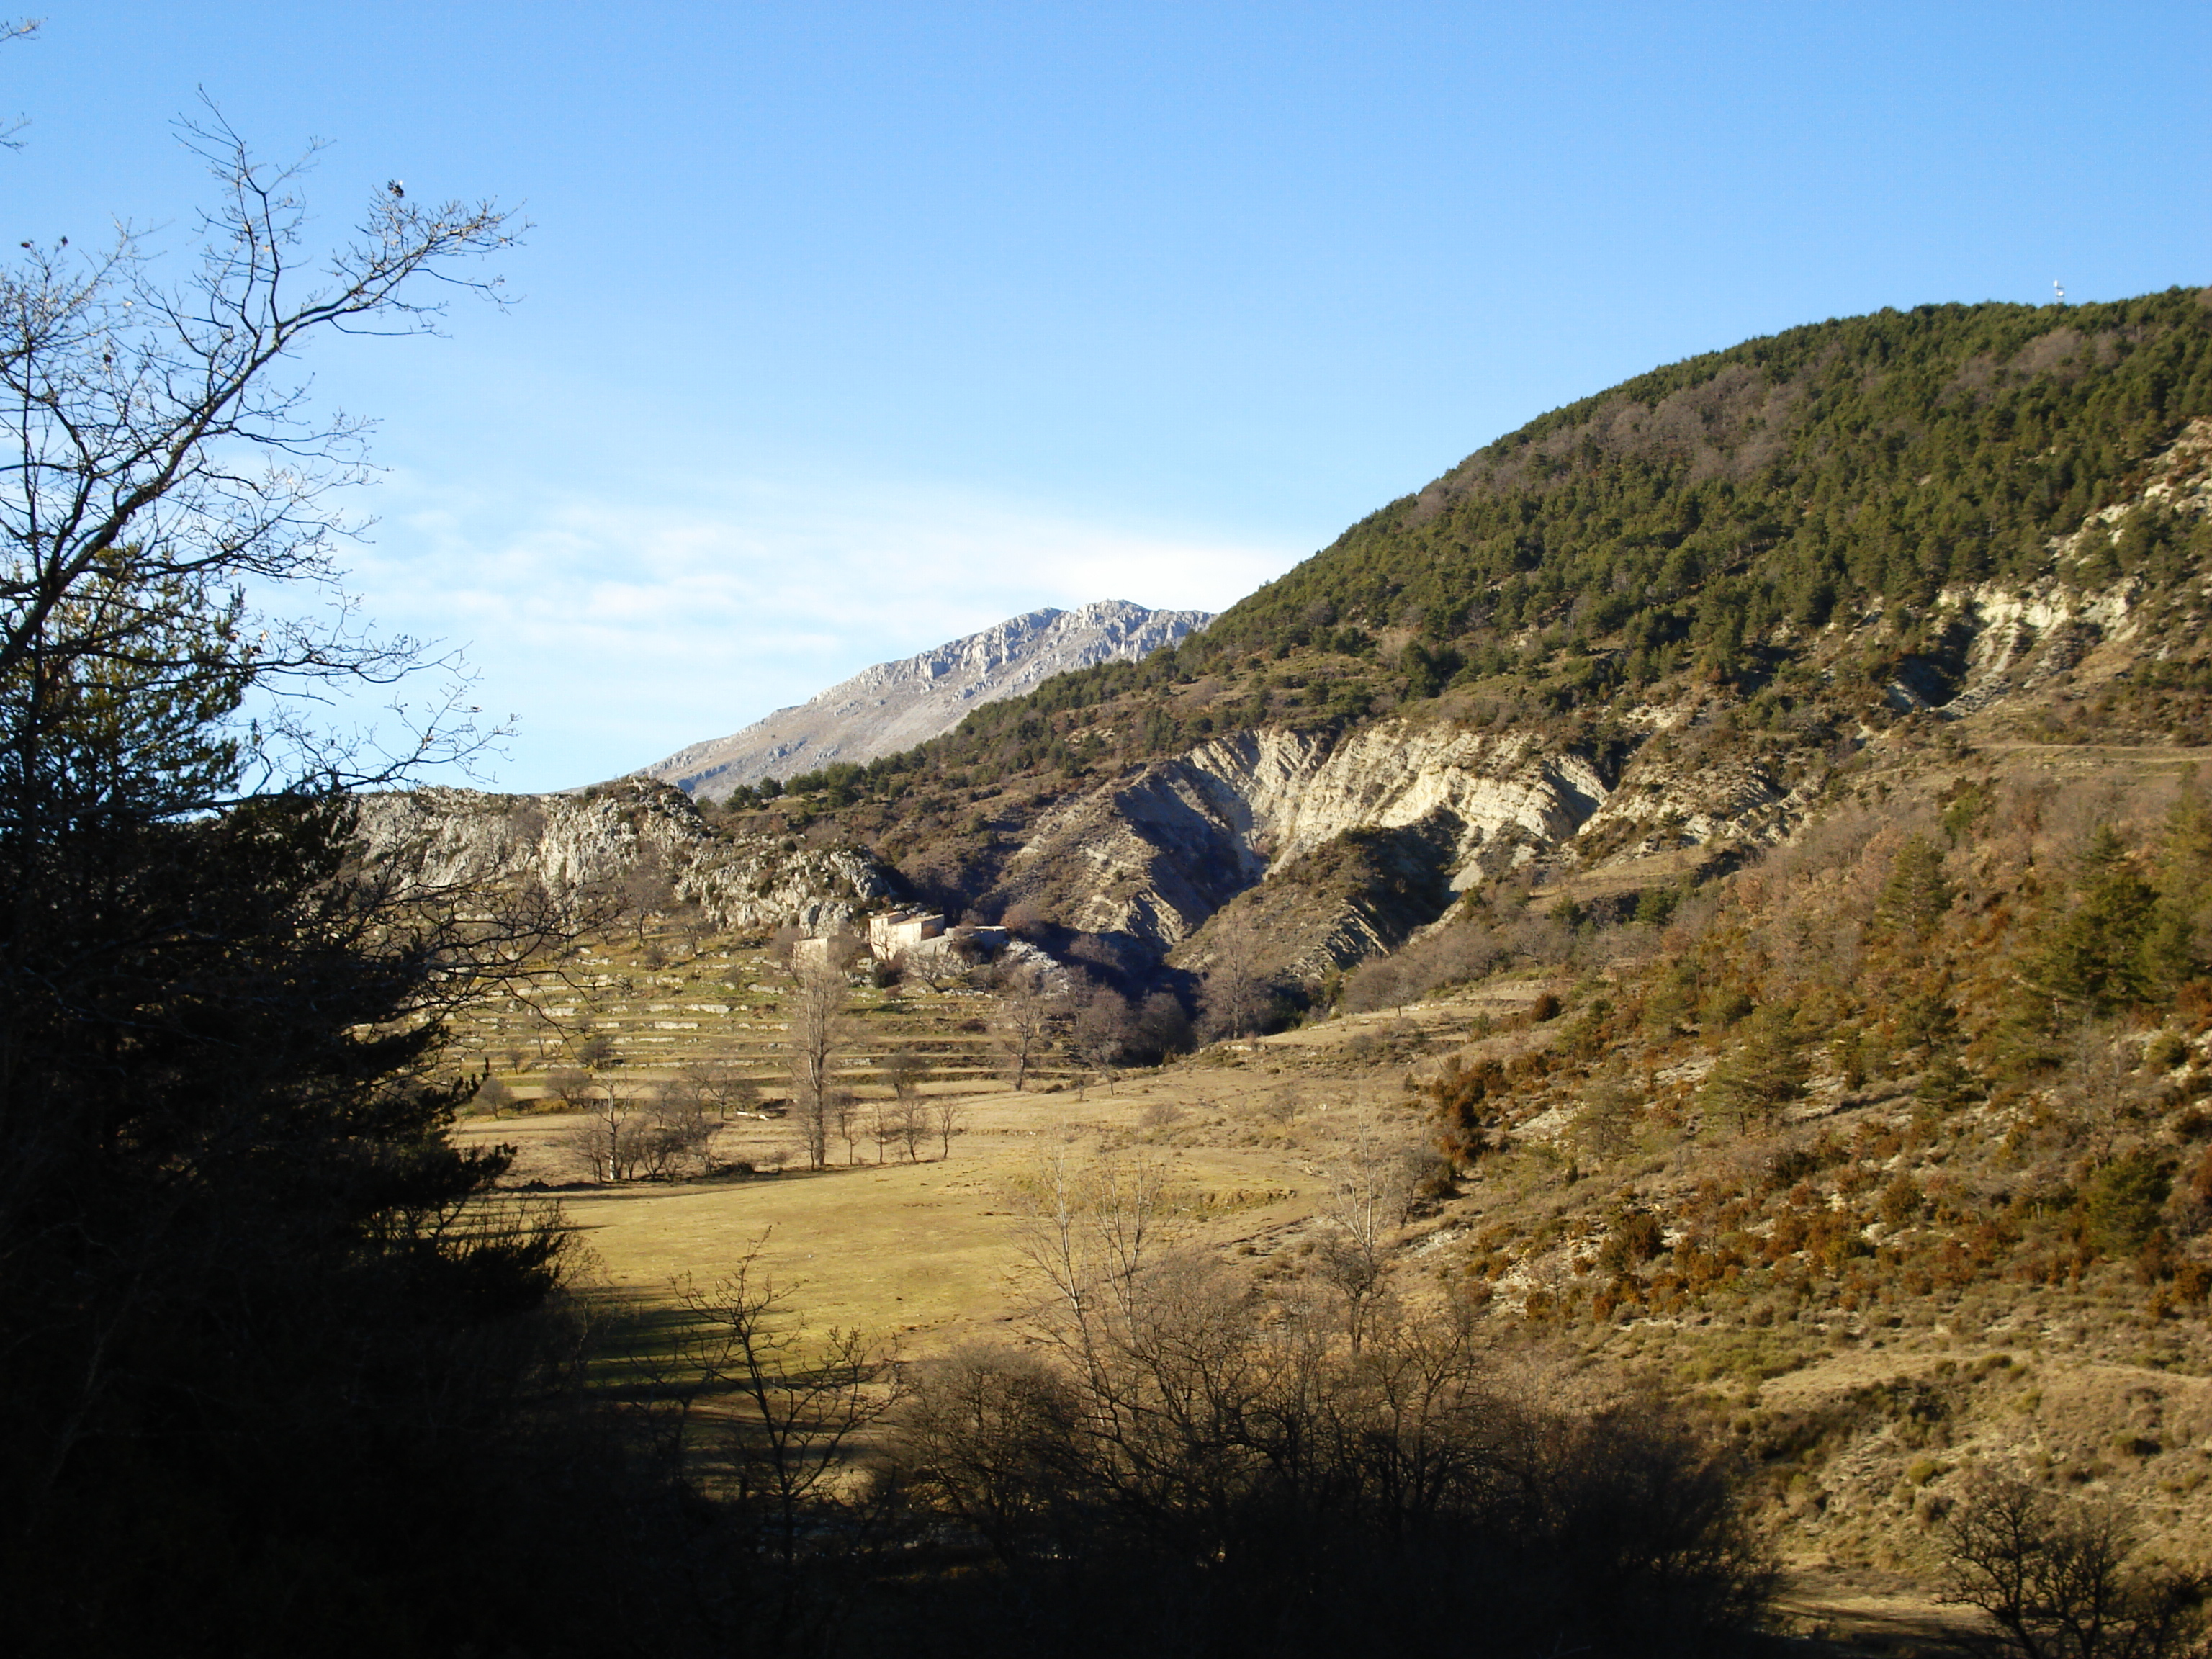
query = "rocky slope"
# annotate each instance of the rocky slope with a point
(1343, 843)
(896, 705)
(1607, 661)
(637, 841)
(1350, 843)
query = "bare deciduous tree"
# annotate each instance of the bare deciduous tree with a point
(2059, 1578)
(845, 1113)
(815, 1043)
(948, 1115)
(673, 1138)
(906, 1071)
(1235, 996)
(1371, 1176)
(605, 1144)
(1098, 1032)
(1163, 1027)
(571, 1086)
(1092, 1230)
(792, 1403)
(905, 1117)
(164, 465)
(494, 1096)
(643, 893)
(937, 963)
(1096, 957)
(718, 1086)
(1030, 1011)
(1216, 1428)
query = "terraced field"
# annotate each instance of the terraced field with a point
(721, 1003)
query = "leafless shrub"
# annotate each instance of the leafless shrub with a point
(1262, 1483)
(717, 1086)
(1457, 955)
(571, 1086)
(2064, 1580)
(659, 1136)
(948, 1116)
(1159, 1115)
(673, 1138)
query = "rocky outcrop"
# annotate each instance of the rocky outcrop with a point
(637, 834)
(1383, 827)
(896, 705)
(1339, 849)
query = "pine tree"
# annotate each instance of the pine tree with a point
(2094, 954)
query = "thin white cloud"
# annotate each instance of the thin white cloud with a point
(618, 633)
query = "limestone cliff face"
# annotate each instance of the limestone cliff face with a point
(1390, 820)
(575, 845)
(1340, 848)
(896, 705)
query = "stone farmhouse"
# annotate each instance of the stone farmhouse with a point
(901, 930)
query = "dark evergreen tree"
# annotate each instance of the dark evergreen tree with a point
(268, 1338)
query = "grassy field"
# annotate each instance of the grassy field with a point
(929, 1252)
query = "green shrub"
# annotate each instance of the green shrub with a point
(2121, 1201)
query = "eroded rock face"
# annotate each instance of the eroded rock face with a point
(1343, 849)
(1426, 810)
(1499, 789)
(575, 847)
(1347, 847)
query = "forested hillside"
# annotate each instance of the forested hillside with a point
(1692, 511)
(1707, 586)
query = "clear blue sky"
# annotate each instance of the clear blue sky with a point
(851, 328)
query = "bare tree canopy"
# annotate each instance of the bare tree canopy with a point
(1237, 996)
(1100, 1032)
(1030, 1013)
(819, 1033)
(718, 1086)
(790, 1400)
(2066, 1579)
(1370, 1175)
(160, 457)
(948, 1115)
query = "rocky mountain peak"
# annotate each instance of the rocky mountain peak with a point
(896, 705)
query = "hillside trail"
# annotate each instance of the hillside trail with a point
(1858, 1610)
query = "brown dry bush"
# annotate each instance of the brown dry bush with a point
(1210, 1472)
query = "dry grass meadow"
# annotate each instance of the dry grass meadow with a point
(925, 1253)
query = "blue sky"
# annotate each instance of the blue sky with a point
(848, 329)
